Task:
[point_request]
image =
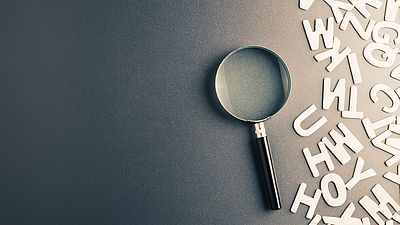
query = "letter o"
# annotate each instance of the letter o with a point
(340, 188)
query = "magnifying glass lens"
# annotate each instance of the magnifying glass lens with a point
(252, 84)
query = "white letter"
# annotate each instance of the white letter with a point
(394, 142)
(365, 221)
(358, 175)
(338, 92)
(392, 7)
(396, 73)
(306, 4)
(396, 217)
(383, 198)
(304, 115)
(353, 113)
(354, 68)
(350, 17)
(314, 160)
(311, 202)
(360, 6)
(393, 177)
(338, 150)
(371, 127)
(389, 222)
(395, 127)
(390, 93)
(339, 186)
(386, 37)
(334, 54)
(378, 142)
(345, 218)
(336, 6)
(315, 220)
(319, 30)
(388, 55)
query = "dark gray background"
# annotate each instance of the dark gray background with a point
(108, 114)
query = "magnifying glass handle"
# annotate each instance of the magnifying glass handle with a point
(268, 167)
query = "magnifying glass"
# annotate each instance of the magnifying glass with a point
(253, 84)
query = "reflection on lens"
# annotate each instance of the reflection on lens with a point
(252, 83)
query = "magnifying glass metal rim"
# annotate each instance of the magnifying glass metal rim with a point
(283, 64)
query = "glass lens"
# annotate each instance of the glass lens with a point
(252, 83)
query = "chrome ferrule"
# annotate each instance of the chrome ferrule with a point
(260, 130)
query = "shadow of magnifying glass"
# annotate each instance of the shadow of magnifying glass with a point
(253, 84)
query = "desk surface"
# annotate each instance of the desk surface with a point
(108, 114)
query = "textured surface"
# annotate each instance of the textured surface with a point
(108, 114)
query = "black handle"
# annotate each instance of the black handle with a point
(268, 171)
